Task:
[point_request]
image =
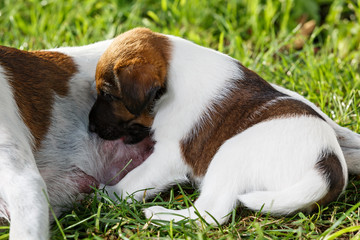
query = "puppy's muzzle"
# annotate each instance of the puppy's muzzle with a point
(107, 126)
(130, 135)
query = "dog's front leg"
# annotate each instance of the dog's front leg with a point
(162, 169)
(23, 191)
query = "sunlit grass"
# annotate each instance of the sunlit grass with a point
(259, 33)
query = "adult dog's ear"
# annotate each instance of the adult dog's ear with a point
(139, 84)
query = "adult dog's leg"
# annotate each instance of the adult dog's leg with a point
(22, 188)
(23, 191)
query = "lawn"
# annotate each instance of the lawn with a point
(268, 37)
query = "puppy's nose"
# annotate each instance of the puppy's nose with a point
(92, 127)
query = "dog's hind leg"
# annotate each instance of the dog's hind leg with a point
(282, 165)
(287, 201)
(349, 141)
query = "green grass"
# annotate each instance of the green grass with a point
(260, 33)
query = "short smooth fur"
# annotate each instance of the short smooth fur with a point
(215, 122)
(46, 150)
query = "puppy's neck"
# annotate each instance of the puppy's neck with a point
(199, 72)
(197, 79)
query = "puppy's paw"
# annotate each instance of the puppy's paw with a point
(163, 214)
(152, 212)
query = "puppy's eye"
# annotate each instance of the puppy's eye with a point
(108, 97)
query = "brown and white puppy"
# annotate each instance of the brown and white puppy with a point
(218, 123)
(45, 147)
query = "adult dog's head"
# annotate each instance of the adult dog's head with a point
(129, 77)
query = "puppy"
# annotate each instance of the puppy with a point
(219, 124)
(46, 150)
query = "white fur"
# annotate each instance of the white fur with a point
(86, 57)
(269, 161)
(289, 148)
(21, 184)
(348, 140)
(247, 164)
(25, 182)
(68, 155)
(68, 144)
(156, 172)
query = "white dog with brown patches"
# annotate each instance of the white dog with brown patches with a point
(45, 147)
(217, 123)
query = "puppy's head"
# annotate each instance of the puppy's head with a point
(129, 77)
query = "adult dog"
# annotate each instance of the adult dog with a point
(218, 123)
(45, 147)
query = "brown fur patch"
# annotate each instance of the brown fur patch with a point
(35, 77)
(242, 109)
(133, 69)
(120, 112)
(330, 167)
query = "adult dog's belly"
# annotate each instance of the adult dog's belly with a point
(89, 162)
(120, 159)
(74, 171)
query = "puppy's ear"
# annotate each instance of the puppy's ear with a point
(139, 84)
